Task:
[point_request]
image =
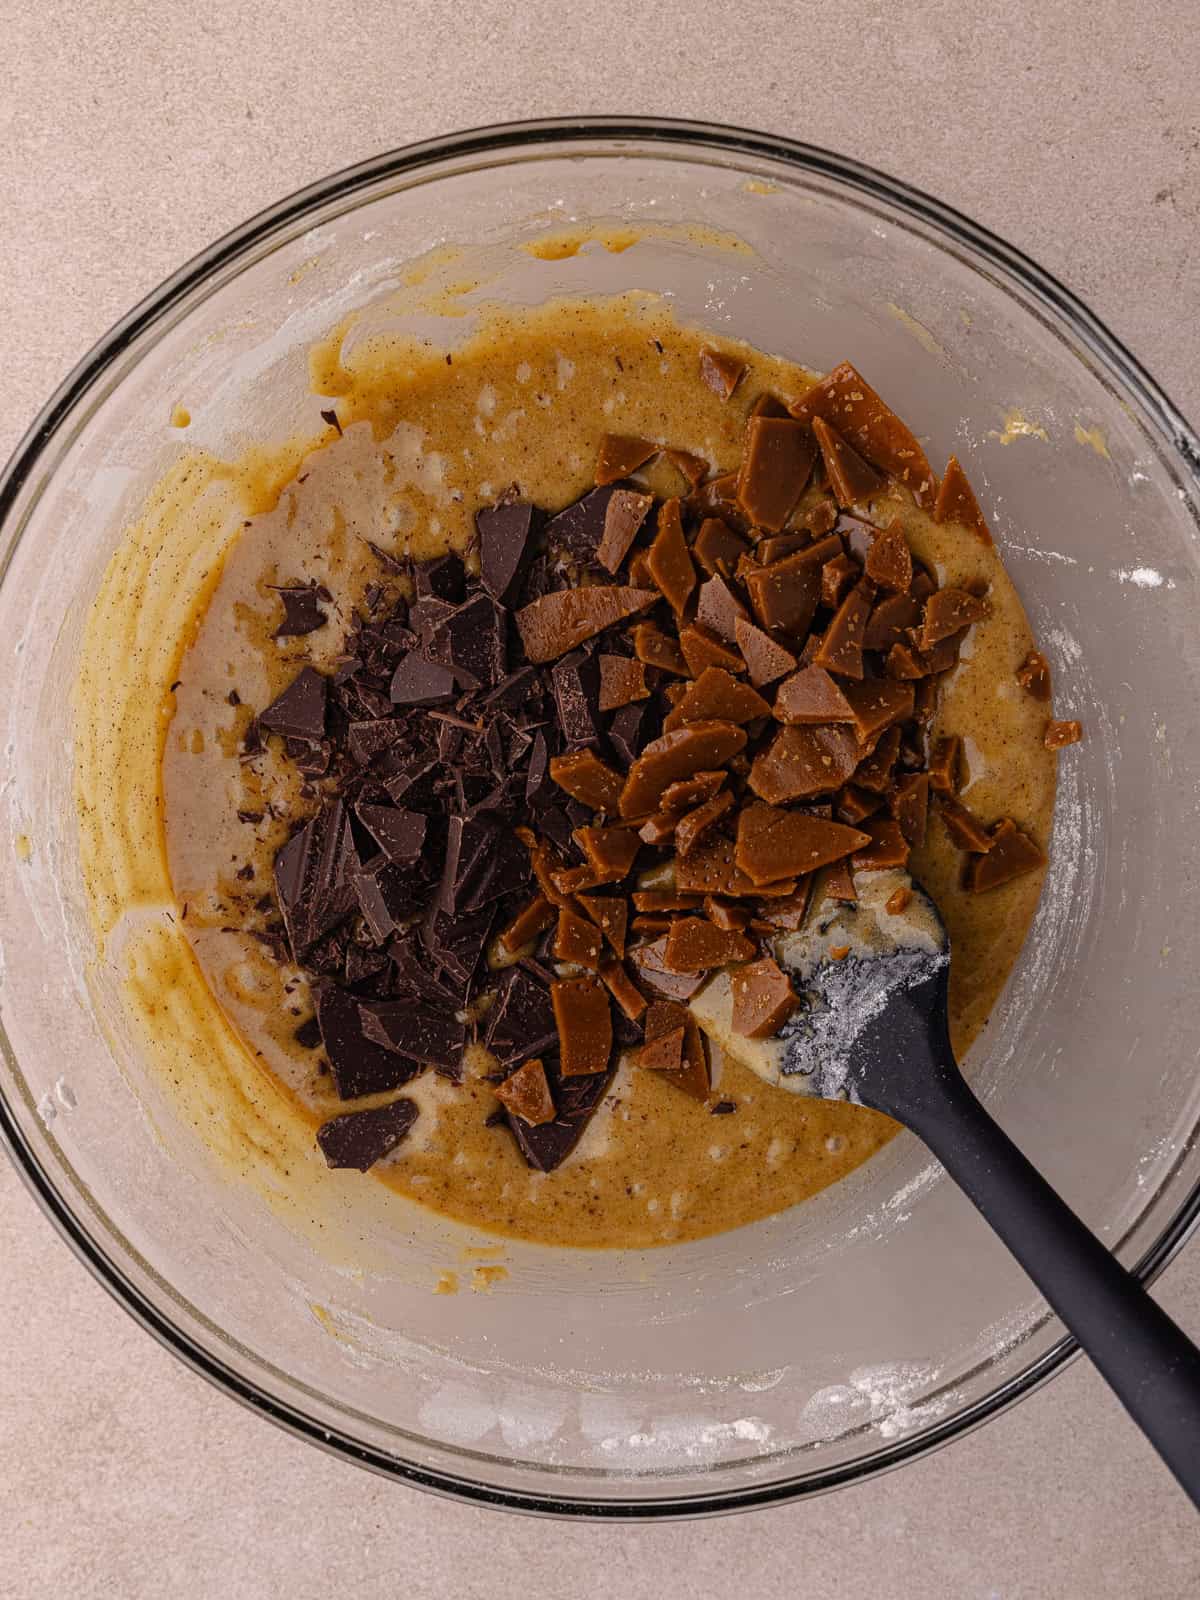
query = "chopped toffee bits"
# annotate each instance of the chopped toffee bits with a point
(845, 400)
(1060, 734)
(526, 1094)
(956, 502)
(763, 999)
(722, 373)
(584, 1021)
(852, 479)
(621, 456)
(776, 464)
(1034, 675)
(1010, 854)
(619, 748)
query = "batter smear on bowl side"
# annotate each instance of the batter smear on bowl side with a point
(572, 672)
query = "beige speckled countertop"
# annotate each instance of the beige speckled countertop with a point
(131, 134)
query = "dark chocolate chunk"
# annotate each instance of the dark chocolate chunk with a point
(505, 537)
(472, 642)
(299, 712)
(361, 1138)
(456, 943)
(632, 728)
(521, 1020)
(359, 1065)
(576, 682)
(387, 896)
(441, 579)
(576, 532)
(540, 787)
(400, 834)
(308, 1034)
(412, 785)
(418, 681)
(301, 611)
(469, 840)
(419, 1033)
(314, 874)
(548, 1145)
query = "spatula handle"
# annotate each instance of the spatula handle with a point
(1151, 1364)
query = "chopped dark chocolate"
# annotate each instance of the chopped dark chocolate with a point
(299, 712)
(472, 642)
(358, 1139)
(359, 1065)
(401, 835)
(548, 1145)
(505, 533)
(575, 679)
(443, 578)
(418, 681)
(521, 1020)
(301, 611)
(419, 1033)
(314, 877)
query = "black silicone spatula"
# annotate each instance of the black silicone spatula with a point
(875, 1026)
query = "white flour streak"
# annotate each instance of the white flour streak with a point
(1038, 554)
(1143, 577)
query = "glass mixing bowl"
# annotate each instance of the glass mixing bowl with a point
(877, 1321)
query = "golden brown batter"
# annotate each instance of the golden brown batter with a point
(429, 436)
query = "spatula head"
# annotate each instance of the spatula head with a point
(873, 1017)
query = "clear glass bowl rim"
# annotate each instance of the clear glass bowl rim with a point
(504, 142)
